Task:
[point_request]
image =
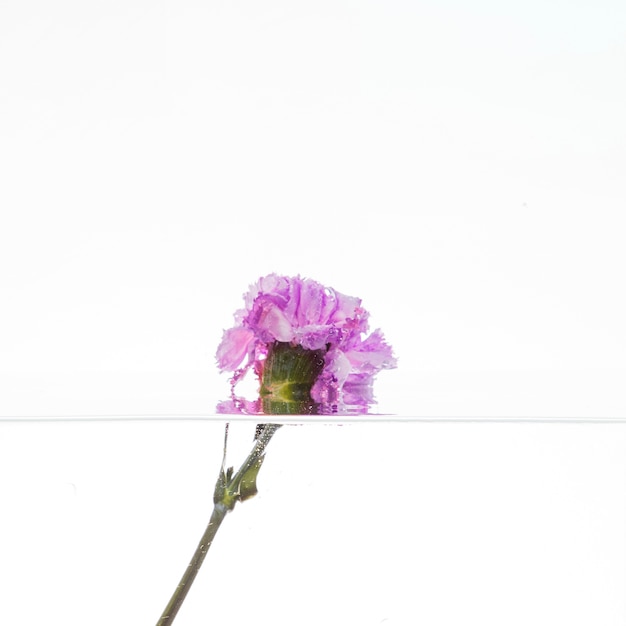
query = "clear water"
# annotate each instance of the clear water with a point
(365, 522)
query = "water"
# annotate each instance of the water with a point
(365, 522)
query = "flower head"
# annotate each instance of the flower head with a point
(315, 320)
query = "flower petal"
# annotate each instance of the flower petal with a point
(271, 319)
(233, 348)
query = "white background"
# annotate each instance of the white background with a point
(459, 166)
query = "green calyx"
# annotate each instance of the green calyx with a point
(289, 373)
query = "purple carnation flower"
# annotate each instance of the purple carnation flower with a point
(302, 312)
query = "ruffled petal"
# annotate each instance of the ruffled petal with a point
(372, 354)
(317, 337)
(311, 303)
(346, 307)
(327, 387)
(269, 319)
(233, 348)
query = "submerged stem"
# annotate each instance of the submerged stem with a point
(227, 493)
(179, 595)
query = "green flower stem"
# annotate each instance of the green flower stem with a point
(229, 490)
(178, 597)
